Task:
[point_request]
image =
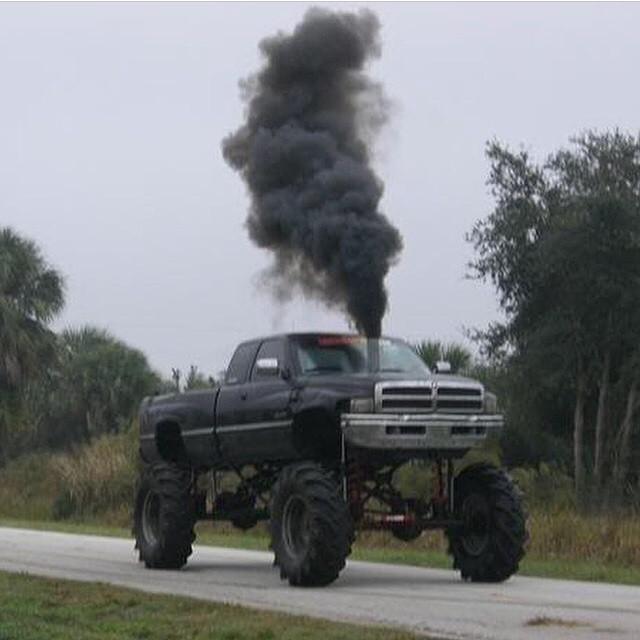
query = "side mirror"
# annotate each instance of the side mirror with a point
(442, 366)
(267, 366)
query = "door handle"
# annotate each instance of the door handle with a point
(243, 395)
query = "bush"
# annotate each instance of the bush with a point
(28, 487)
(93, 482)
(548, 487)
(568, 534)
(97, 479)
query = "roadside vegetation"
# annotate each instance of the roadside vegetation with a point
(35, 608)
(562, 248)
(90, 490)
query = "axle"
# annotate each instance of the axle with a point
(377, 521)
(368, 490)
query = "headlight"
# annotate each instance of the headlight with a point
(490, 402)
(361, 405)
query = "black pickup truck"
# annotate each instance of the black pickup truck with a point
(308, 431)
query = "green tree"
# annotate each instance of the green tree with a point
(31, 295)
(429, 351)
(96, 388)
(196, 380)
(458, 356)
(433, 351)
(562, 247)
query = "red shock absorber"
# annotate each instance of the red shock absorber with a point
(355, 482)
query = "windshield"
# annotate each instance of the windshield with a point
(318, 355)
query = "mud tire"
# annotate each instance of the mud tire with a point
(164, 516)
(311, 527)
(489, 545)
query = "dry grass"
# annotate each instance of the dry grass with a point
(28, 488)
(567, 534)
(98, 479)
(564, 535)
(92, 482)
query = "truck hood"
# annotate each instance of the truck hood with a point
(362, 384)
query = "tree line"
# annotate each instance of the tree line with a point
(61, 389)
(561, 247)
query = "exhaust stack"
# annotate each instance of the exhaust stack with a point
(373, 354)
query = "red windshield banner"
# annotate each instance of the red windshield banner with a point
(336, 341)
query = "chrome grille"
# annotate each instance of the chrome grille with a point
(406, 396)
(458, 397)
(422, 396)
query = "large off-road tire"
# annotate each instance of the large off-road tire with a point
(311, 528)
(491, 541)
(164, 516)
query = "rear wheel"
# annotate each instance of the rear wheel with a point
(490, 543)
(311, 528)
(164, 516)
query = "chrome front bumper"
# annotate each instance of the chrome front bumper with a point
(419, 431)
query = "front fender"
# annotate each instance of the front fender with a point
(316, 423)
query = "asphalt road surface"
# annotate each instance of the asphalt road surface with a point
(429, 601)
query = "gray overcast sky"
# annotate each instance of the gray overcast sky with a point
(111, 117)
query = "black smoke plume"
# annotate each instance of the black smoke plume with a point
(304, 155)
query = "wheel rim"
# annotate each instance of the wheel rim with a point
(477, 522)
(151, 518)
(295, 526)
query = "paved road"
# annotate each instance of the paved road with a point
(424, 600)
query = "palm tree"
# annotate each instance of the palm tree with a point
(101, 382)
(433, 351)
(458, 356)
(31, 295)
(430, 351)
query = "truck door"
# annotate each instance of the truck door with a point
(232, 396)
(264, 421)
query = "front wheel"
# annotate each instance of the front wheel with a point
(490, 542)
(311, 528)
(164, 516)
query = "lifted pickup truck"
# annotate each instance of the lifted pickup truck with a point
(313, 428)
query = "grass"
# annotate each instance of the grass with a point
(46, 609)
(93, 481)
(371, 547)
